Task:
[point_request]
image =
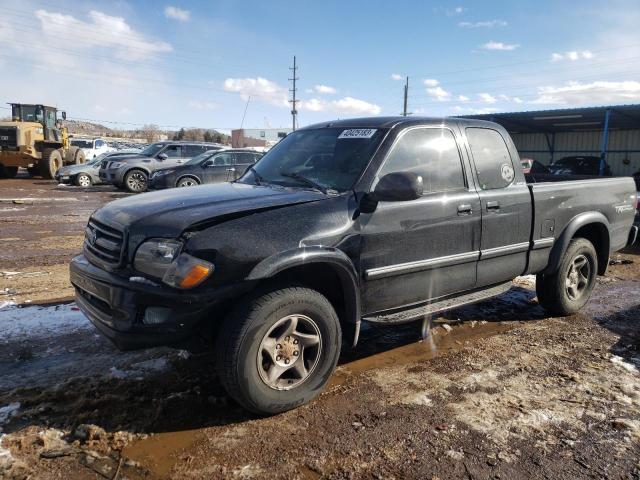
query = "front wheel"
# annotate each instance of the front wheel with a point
(135, 181)
(187, 182)
(278, 350)
(566, 291)
(83, 180)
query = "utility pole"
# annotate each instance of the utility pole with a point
(406, 94)
(293, 101)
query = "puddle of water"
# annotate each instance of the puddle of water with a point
(158, 453)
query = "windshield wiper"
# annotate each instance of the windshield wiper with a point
(305, 180)
(258, 177)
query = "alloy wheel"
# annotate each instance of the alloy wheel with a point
(578, 277)
(289, 352)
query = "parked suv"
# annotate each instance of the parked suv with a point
(213, 166)
(132, 173)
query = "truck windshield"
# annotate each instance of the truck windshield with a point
(323, 158)
(82, 143)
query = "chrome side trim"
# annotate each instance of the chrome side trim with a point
(438, 262)
(543, 243)
(504, 250)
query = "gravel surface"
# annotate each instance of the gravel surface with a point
(494, 390)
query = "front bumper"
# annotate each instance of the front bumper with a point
(110, 176)
(162, 181)
(117, 306)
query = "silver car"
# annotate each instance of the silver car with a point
(87, 174)
(132, 172)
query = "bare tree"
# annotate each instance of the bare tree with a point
(150, 132)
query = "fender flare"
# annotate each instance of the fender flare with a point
(576, 223)
(333, 257)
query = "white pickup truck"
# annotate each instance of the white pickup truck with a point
(91, 147)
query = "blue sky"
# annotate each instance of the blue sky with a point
(195, 63)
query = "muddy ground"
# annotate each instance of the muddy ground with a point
(496, 390)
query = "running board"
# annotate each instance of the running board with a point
(438, 306)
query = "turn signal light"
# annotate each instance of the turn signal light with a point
(187, 271)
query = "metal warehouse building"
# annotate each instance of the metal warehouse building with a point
(612, 133)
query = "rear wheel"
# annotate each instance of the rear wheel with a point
(566, 291)
(82, 180)
(135, 181)
(8, 172)
(50, 163)
(277, 351)
(187, 182)
(74, 156)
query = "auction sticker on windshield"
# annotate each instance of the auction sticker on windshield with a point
(358, 133)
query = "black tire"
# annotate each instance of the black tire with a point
(8, 172)
(50, 163)
(136, 181)
(74, 156)
(187, 181)
(566, 291)
(33, 171)
(246, 328)
(82, 180)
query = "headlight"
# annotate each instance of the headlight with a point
(154, 256)
(162, 259)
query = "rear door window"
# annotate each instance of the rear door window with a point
(245, 158)
(194, 150)
(222, 159)
(491, 156)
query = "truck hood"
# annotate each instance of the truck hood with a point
(167, 213)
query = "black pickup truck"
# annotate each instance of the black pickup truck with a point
(375, 219)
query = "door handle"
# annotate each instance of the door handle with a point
(231, 169)
(464, 209)
(493, 206)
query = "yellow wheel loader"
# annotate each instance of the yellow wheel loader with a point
(35, 140)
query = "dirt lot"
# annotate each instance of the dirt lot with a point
(496, 390)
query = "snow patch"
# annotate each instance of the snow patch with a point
(626, 365)
(37, 322)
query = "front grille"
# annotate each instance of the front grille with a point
(8, 136)
(104, 242)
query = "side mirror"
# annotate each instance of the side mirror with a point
(162, 156)
(398, 187)
(64, 115)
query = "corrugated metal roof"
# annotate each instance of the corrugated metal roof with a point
(566, 119)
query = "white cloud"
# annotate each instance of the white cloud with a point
(313, 105)
(439, 94)
(324, 89)
(507, 98)
(458, 10)
(199, 105)
(259, 88)
(396, 77)
(486, 98)
(431, 82)
(346, 105)
(484, 24)
(463, 98)
(594, 93)
(572, 56)
(352, 105)
(101, 31)
(491, 45)
(474, 111)
(176, 13)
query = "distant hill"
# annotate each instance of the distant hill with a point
(77, 127)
